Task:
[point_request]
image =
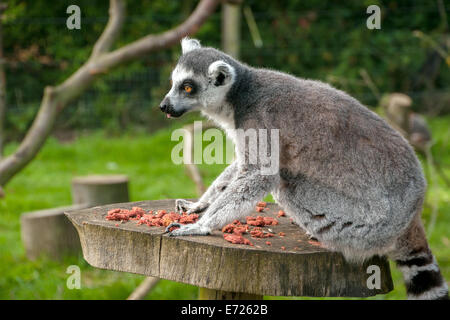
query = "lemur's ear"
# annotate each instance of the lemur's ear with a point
(189, 44)
(220, 73)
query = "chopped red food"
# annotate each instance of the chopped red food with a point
(281, 213)
(261, 204)
(261, 221)
(259, 209)
(283, 248)
(190, 218)
(268, 221)
(151, 220)
(160, 213)
(233, 232)
(240, 229)
(236, 229)
(228, 228)
(161, 218)
(257, 222)
(118, 214)
(169, 218)
(257, 232)
(236, 239)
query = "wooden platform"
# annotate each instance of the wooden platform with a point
(302, 269)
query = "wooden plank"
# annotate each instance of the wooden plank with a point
(302, 269)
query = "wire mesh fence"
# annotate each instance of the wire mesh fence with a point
(130, 96)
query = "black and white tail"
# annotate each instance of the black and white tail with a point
(421, 273)
(422, 277)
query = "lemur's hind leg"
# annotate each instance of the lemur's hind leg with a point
(219, 185)
(236, 201)
(420, 270)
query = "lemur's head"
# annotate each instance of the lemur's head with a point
(200, 81)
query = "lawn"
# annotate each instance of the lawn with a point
(145, 158)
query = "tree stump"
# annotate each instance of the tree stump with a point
(222, 269)
(49, 232)
(100, 189)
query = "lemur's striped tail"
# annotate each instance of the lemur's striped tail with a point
(422, 277)
(420, 270)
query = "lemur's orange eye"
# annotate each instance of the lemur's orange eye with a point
(188, 89)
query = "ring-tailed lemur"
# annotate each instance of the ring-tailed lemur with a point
(344, 174)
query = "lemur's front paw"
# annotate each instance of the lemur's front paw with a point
(182, 205)
(188, 230)
(189, 207)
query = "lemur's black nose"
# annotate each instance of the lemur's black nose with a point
(165, 105)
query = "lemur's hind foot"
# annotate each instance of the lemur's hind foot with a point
(189, 207)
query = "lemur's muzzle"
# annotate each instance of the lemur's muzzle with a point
(169, 110)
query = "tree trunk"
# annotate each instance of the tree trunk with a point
(96, 190)
(231, 28)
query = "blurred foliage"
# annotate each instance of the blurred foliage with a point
(319, 39)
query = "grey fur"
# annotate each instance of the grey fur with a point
(345, 176)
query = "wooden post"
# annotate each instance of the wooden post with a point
(211, 294)
(231, 27)
(188, 156)
(96, 190)
(49, 232)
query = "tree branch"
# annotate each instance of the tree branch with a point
(165, 40)
(112, 29)
(56, 98)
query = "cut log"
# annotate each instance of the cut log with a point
(49, 232)
(290, 266)
(100, 189)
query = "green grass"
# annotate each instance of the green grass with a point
(45, 183)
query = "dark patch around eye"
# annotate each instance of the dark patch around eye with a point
(190, 83)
